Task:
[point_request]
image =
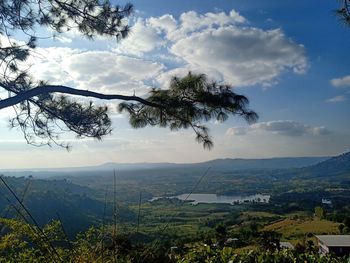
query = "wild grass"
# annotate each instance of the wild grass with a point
(297, 229)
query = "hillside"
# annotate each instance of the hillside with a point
(271, 163)
(336, 165)
(77, 206)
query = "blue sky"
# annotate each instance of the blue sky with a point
(289, 57)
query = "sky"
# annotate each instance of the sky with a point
(290, 58)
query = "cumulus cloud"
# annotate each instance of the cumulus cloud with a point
(143, 38)
(165, 23)
(221, 45)
(192, 22)
(237, 131)
(280, 127)
(102, 71)
(341, 82)
(336, 99)
(97, 62)
(113, 73)
(49, 64)
(242, 56)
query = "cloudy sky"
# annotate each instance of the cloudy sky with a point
(290, 58)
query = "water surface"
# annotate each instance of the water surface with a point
(219, 199)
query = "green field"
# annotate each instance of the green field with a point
(295, 230)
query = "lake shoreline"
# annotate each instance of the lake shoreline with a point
(196, 199)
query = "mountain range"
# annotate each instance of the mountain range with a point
(310, 165)
(228, 163)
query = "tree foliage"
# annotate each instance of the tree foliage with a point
(344, 12)
(42, 114)
(39, 117)
(22, 243)
(320, 212)
(186, 104)
(205, 253)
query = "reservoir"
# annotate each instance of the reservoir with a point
(219, 199)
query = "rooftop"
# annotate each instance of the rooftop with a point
(286, 245)
(335, 240)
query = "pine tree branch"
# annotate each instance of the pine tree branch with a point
(47, 89)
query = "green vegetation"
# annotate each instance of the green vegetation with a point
(73, 218)
(207, 254)
(23, 243)
(296, 230)
(168, 229)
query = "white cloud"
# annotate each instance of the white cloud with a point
(193, 22)
(142, 38)
(190, 22)
(341, 82)
(337, 99)
(237, 131)
(221, 45)
(50, 64)
(5, 115)
(165, 23)
(63, 39)
(242, 56)
(98, 63)
(280, 127)
(112, 73)
(9, 41)
(101, 71)
(319, 130)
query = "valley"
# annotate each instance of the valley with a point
(82, 198)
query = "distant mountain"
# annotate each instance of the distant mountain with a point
(133, 166)
(272, 163)
(221, 164)
(103, 167)
(217, 164)
(333, 166)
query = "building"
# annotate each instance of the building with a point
(231, 241)
(336, 244)
(326, 201)
(286, 245)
